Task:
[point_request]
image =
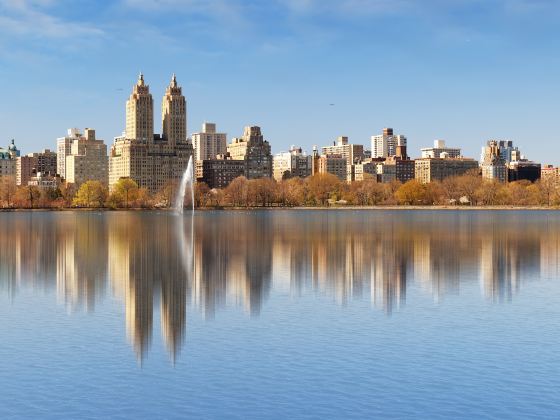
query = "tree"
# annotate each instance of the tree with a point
(468, 184)
(8, 191)
(201, 191)
(489, 193)
(67, 193)
(450, 189)
(236, 191)
(322, 187)
(547, 189)
(125, 191)
(411, 192)
(261, 192)
(27, 196)
(90, 194)
(164, 197)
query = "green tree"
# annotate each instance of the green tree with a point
(90, 194)
(125, 192)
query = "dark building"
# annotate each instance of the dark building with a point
(218, 173)
(519, 170)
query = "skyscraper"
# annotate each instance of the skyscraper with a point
(152, 160)
(385, 145)
(87, 160)
(208, 143)
(174, 114)
(140, 113)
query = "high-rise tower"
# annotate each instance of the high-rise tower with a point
(174, 114)
(153, 161)
(140, 113)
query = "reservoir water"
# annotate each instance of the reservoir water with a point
(280, 314)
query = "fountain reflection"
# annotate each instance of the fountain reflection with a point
(213, 260)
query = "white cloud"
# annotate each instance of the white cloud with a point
(30, 18)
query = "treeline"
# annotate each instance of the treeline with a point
(314, 191)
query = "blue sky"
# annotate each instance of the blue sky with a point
(461, 70)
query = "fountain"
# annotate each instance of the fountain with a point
(187, 178)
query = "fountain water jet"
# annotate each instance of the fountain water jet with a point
(187, 178)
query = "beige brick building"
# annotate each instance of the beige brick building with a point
(351, 152)
(437, 169)
(152, 160)
(87, 160)
(255, 151)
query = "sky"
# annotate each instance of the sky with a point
(461, 70)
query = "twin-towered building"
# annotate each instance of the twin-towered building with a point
(152, 160)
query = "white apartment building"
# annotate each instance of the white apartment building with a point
(294, 163)
(208, 143)
(438, 149)
(385, 145)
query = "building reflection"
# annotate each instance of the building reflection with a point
(160, 265)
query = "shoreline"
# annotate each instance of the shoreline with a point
(278, 208)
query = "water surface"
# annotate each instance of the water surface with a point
(315, 314)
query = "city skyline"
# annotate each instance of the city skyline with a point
(281, 65)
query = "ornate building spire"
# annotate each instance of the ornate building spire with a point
(140, 113)
(174, 113)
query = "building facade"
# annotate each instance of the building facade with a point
(385, 145)
(63, 147)
(551, 173)
(254, 150)
(30, 165)
(208, 143)
(524, 170)
(437, 169)
(351, 152)
(219, 172)
(493, 163)
(8, 161)
(152, 160)
(440, 150)
(294, 163)
(331, 164)
(87, 160)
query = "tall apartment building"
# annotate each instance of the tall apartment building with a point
(152, 160)
(437, 169)
(503, 148)
(351, 152)
(63, 147)
(440, 150)
(8, 159)
(254, 150)
(396, 169)
(367, 169)
(87, 160)
(30, 165)
(493, 163)
(294, 163)
(385, 144)
(331, 164)
(208, 143)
